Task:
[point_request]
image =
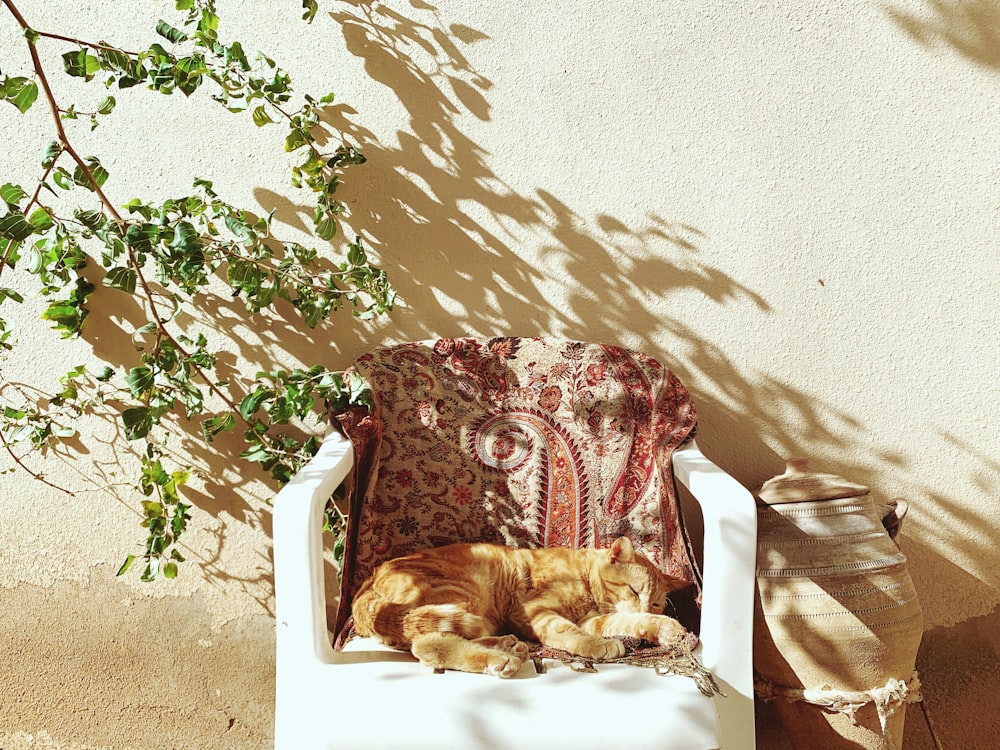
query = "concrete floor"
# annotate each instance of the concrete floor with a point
(96, 668)
(88, 668)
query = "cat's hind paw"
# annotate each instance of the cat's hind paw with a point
(509, 643)
(506, 657)
(503, 664)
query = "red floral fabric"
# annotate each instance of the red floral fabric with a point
(525, 442)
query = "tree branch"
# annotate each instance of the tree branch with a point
(112, 210)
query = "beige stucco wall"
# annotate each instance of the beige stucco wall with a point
(796, 204)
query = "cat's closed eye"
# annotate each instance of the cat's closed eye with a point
(658, 602)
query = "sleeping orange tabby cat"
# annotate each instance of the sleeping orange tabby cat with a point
(466, 606)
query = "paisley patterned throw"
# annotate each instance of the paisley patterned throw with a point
(527, 442)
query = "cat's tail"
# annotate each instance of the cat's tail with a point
(374, 616)
(445, 618)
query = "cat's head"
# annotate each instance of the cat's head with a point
(631, 583)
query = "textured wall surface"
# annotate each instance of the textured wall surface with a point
(795, 204)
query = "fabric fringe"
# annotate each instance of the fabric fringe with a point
(888, 699)
(677, 659)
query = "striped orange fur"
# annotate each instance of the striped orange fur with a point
(470, 606)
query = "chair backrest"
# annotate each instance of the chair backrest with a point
(528, 442)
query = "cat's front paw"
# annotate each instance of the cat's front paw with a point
(669, 631)
(600, 648)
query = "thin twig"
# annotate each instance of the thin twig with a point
(112, 210)
(84, 43)
(34, 474)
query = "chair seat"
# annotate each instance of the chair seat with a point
(616, 706)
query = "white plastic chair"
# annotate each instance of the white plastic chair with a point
(369, 697)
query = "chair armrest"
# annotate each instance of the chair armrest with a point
(730, 550)
(299, 591)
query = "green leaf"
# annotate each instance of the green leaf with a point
(41, 219)
(266, 294)
(239, 227)
(251, 403)
(297, 138)
(115, 60)
(90, 219)
(138, 422)
(15, 227)
(36, 260)
(12, 194)
(244, 275)
(153, 475)
(260, 116)
(258, 454)
(144, 329)
(142, 237)
(21, 92)
(137, 206)
(122, 277)
(26, 97)
(63, 178)
(133, 73)
(214, 425)
(314, 313)
(186, 239)
(192, 66)
(170, 570)
(140, 380)
(67, 317)
(326, 228)
(105, 375)
(73, 373)
(129, 559)
(188, 73)
(51, 153)
(106, 106)
(356, 254)
(81, 64)
(209, 23)
(151, 571)
(9, 256)
(7, 293)
(234, 53)
(98, 172)
(69, 314)
(345, 156)
(311, 7)
(185, 4)
(169, 33)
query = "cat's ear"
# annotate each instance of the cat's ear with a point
(621, 550)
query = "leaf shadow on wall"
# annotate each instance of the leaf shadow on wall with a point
(969, 27)
(447, 227)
